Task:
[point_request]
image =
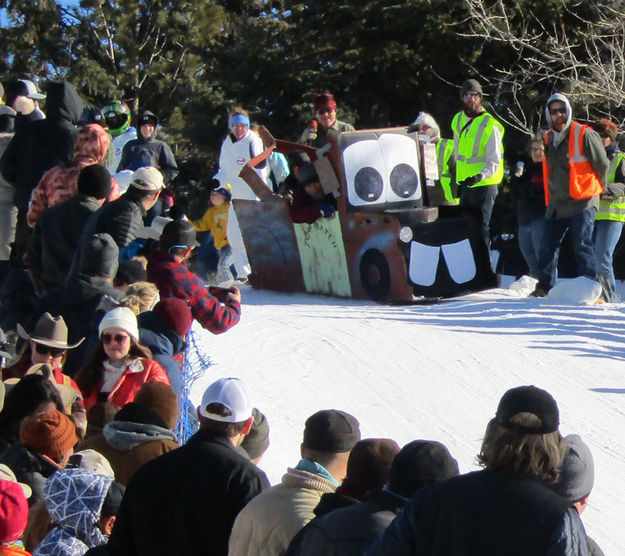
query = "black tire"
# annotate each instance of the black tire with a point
(375, 275)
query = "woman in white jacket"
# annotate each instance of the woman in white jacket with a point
(240, 146)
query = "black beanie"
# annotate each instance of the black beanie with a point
(100, 256)
(332, 431)
(419, 463)
(131, 271)
(95, 181)
(257, 441)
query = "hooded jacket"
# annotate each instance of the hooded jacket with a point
(557, 187)
(149, 151)
(61, 182)
(129, 444)
(51, 140)
(74, 498)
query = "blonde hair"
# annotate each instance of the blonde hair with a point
(141, 297)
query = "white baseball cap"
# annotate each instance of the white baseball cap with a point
(147, 178)
(6, 473)
(231, 393)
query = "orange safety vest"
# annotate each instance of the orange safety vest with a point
(583, 180)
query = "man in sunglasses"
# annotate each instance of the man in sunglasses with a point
(478, 153)
(316, 134)
(574, 170)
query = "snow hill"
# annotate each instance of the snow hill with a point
(433, 372)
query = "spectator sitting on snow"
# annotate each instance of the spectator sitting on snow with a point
(206, 483)
(140, 431)
(310, 202)
(478, 513)
(368, 469)
(167, 271)
(348, 531)
(269, 522)
(577, 477)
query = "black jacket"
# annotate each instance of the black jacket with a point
(55, 238)
(484, 513)
(348, 531)
(149, 151)
(185, 502)
(43, 144)
(30, 468)
(82, 302)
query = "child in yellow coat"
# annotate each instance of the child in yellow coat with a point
(215, 221)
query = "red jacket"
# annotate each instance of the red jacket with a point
(129, 384)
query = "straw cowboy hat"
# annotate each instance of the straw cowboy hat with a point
(49, 331)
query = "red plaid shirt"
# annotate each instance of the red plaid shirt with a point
(173, 279)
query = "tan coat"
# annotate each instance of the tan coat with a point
(266, 526)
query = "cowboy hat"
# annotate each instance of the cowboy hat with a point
(49, 331)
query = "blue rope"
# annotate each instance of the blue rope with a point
(196, 363)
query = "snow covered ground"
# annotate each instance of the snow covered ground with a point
(434, 372)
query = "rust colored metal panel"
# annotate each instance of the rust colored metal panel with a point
(269, 239)
(376, 265)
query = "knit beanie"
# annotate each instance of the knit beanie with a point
(419, 463)
(13, 511)
(120, 317)
(332, 431)
(51, 433)
(95, 181)
(577, 473)
(256, 442)
(369, 464)
(470, 86)
(161, 399)
(175, 314)
(100, 256)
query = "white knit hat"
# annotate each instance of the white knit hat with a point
(120, 317)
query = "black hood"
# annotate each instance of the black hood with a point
(146, 115)
(63, 102)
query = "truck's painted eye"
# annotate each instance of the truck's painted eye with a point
(368, 184)
(404, 180)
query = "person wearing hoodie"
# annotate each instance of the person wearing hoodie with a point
(61, 182)
(84, 299)
(55, 238)
(77, 502)
(574, 173)
(141, 431)
(52, 140)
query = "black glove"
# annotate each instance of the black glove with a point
(472, 180)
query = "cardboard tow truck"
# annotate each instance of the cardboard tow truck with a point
(382, 243)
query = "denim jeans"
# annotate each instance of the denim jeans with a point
(607, 234)
(530, 236)
(581, 227)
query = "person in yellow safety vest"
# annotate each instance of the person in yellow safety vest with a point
(609, 220)
(574, 170)
(478, 153)
(444, 190)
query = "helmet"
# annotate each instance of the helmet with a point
(117, 117)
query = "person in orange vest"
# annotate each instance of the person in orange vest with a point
(574, 171)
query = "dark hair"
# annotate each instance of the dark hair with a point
(90, 375)
(525, 455)
(221, 427)
(24, 399)
(137, 194)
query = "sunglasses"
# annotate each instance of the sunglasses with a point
(556, 111)
(44, 350)
(472, 95)
(118, 338)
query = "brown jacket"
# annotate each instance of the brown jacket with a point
(128, 446)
